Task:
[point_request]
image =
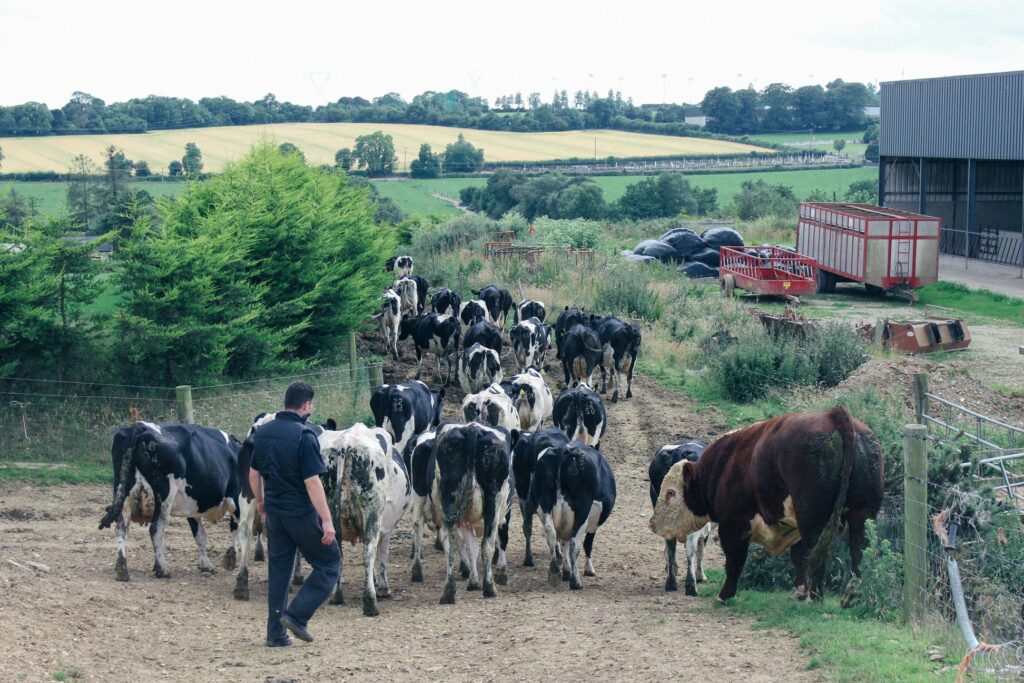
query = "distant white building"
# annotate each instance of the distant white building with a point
(873, 112)
(700, 121)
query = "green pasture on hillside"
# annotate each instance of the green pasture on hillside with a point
(820, 140)
(51, 197)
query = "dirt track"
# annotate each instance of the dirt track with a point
(621, 626)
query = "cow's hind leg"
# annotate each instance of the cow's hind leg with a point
(857, 543)
(339, 595)
(121, 530)
(500, 559)
(258, 555)
(574, 555)
(383, 550)
(588, 548)
(690, 587)
(735, 544)
(566, 561)
(231, 556)
(297, 578)
(702, 543)
(671, 569)
(370, 543)
(798, 556)
(554, 578)
(472, 545)
(199, 533)
(527, 532)
(156, 535)
(448, 596)
(417, 540)
(247, 518)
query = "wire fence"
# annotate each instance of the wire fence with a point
(51, 421)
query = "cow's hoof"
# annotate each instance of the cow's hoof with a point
(850, 593)
(383, 592)
(338, 598)
(489, 590)
(258, 555)
(528, 561)
(230, 558)
(464, 570)
(473, 585)
(121, 569)
(719, 600)
(554, 579)
(566, 574)
(438, 545)
(206, 569)
(298, 580)
(629, 394)
(615, 397)
(589, 571)
(799, 594)
(691, 589)
(448, 597)
(501, 577)
(160, 572)
(671, 584)
(574, 583)
(417, 573)
(370, 607)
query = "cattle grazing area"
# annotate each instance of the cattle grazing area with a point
(622, 624)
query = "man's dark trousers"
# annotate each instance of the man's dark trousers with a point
(284, 535)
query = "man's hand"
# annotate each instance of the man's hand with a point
(259, 508)
(328, 527)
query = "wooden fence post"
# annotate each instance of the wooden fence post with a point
(183, 403)
(915, 522)
(353, 360)
(376, 375)
(920, 396)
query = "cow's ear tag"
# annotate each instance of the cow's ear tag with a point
(522, 392)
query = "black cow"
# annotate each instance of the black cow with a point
(579, 413)
(472, 464)
(446, 301)
(574, 489)
(405, 410)
(437, 334)
(169, 469)
(566, 319)
(524, 458)
(485, 334)
(528, 308)
(498, 302)
(661, 463)
(581, 355)
(620, 346)
(400, 265)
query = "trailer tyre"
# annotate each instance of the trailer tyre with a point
(874, 290)
(826, 282)
(728, 284)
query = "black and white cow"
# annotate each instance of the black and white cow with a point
(579, 412)
(574, 490)
(405, 410)
(250, 525)
(370, 493)
(484, 333)
(401, 266)
(566, 319)
(498, 302)
(528, 308)
(436, 334)
(408, 295)
(173, 470)
(661, 463)
(524, 457)
(421, 292)
(424, 510)
(532, 399)
(581, 355)
(620, 346)
(529, 339)
(472, 311)
(390, 316)
(446, 301)
(479, 367)
(471, 481)
(493, 407)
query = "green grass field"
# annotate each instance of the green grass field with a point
(821, 140)
(320, 141)
(51, 197)
(414, 196)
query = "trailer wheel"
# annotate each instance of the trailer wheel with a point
(826, 282)
(728, 285)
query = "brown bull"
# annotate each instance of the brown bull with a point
(789, 482)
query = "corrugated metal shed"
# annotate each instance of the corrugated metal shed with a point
(959, 117)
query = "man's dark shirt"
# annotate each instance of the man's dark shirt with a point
(286, 453)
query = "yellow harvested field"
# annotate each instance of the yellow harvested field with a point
(319, 142)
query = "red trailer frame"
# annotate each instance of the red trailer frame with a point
(772, 272)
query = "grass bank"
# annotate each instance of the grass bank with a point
(72, 473)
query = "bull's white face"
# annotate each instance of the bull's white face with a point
(672, 517)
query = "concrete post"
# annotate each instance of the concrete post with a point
(915, 522)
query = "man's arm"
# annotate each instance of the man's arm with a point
(315, 489)
(256, 483)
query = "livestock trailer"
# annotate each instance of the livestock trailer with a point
(767, 271)
(886, 249)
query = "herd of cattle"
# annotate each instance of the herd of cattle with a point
(790, 482)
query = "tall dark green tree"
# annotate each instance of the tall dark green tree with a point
(84, 201)
(376, 153)
(462, 156)
(289, 148)
(116, 171)
(192, 162)
(426, 165)
(343, 159)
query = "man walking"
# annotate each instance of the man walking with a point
(285, 478)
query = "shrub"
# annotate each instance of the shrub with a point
(758, 198)
(578, 233)
(837, 351)
(750, 368)
(880, 594)
(625, 290)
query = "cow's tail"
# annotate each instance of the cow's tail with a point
(244, 466)
(122, 483)
(844, 425)
(464, 493)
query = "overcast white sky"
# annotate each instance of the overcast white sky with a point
(314, 52)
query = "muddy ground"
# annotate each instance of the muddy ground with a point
(77, 620)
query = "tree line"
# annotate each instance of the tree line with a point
(263, 268)
(777, 107)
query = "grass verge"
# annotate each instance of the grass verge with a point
(976, 302)
(83, 473)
